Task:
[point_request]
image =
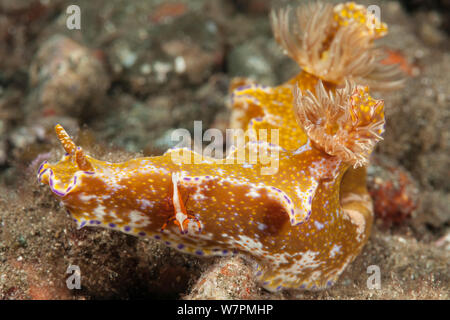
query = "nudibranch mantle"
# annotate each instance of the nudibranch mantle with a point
(291, 221)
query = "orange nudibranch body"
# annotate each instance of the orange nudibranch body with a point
(305, 221)
(290, 221)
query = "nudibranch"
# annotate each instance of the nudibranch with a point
(303, 222)
(290, 221)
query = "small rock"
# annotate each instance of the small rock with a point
(262, 60)
(394, 192)
(68, 76)
(229, 279)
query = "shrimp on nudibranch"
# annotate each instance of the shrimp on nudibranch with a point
(290, 221)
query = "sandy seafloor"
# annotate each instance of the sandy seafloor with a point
(144, 68)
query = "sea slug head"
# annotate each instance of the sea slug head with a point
(346, 124)
(336, 42)
(63, 176)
